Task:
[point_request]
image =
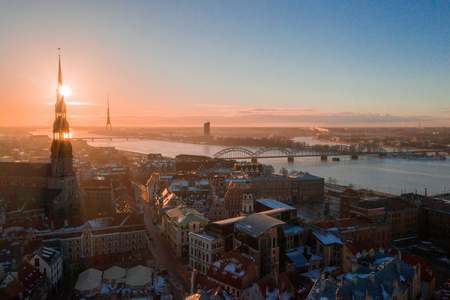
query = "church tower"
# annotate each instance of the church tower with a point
(61, 156)
(247, 201)
(63, 177)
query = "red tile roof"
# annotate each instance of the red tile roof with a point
(268, 284)
(231, 268)
(349, 192)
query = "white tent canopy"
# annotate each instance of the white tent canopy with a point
(89, 281)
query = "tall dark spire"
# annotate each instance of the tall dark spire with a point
(108, 119)
(60, 82)
(61, 129)
(60, 105)
(63, 176)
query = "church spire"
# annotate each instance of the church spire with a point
(61, 129)
(60, 106)
(60, 82)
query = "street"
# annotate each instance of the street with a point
(164, 256)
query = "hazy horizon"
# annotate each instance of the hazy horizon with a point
(243, 64)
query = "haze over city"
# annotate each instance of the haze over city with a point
(226, 150)
(248, 63)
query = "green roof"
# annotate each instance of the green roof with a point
(184, 215)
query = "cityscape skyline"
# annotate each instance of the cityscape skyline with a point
(327, 199)
(274, 64)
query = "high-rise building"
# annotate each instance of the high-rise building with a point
(207, 129)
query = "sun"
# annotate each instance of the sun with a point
(65, 91)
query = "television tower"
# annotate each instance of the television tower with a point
(108, 120)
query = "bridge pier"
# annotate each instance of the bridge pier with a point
(323, 158)
(254, 160)
(354, 156)
(290, 159)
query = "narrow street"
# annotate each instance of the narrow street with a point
(165, 258)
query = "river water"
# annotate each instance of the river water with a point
(387, 175)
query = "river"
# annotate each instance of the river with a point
(387, 175)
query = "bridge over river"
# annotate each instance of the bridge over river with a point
(308, 151)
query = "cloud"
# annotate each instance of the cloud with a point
(216, 105)
(264, 117)
(276, 111)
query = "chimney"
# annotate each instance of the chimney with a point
(417, 269)
(322, 281)
(372, 277)
(193, 280)
(66, 223)
(354, 267)
(426, 191)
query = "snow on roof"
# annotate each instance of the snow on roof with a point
(329, 238)
(235, 269)
(313, 274)
(89, 280)
(203, 235)
(303, 176)
(272, 203)
(292, 229)
(99, 222)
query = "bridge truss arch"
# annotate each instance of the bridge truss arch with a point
(234, 152)
(278, 150)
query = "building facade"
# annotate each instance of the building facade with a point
(203, 250)
(177, 223)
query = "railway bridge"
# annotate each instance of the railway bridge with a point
(309, 151)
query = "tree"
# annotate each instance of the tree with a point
(330, 180)
(283, 171)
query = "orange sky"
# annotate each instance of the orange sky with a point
(285, 64)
